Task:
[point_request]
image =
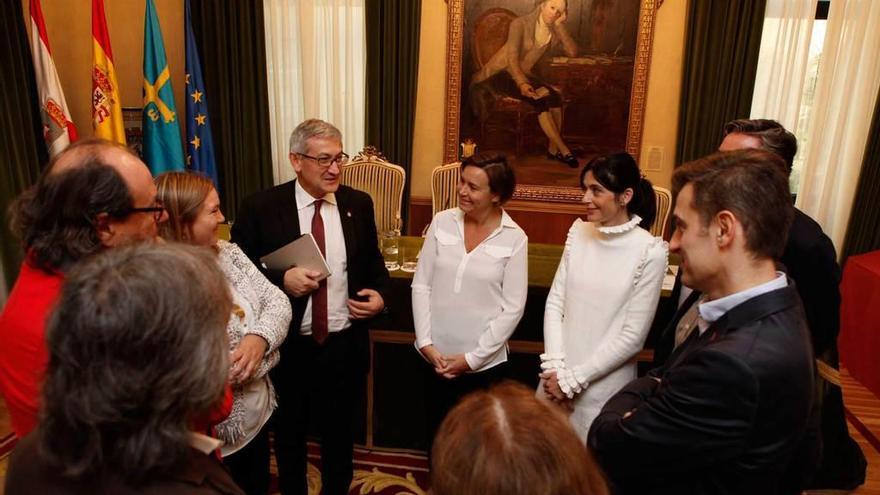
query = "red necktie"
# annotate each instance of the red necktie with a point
(319, 296)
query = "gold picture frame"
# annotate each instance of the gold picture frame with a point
(527, 190)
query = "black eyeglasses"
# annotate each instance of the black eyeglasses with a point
(325, 161)
(156, 210)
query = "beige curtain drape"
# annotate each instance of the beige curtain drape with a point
(782, 63)
(316, 65)
(846, 90)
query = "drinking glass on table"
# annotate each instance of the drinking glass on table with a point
(409, 258)
(390, 249)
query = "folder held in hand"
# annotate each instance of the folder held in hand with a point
(302, 252)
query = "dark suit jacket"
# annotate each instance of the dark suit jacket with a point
(269, 220)
(810, 260)
(727, 412)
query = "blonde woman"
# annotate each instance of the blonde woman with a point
(257, 325)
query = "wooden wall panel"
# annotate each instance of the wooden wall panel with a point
(419, 215)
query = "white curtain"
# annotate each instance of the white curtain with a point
(316, 66)
(782, 62)
(846, 90)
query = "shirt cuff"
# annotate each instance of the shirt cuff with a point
(419, 346)
(423, 342)
(473, 362)
(552, 362)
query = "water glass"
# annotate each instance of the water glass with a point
(409, 258)
(390, 249)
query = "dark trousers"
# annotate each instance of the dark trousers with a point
(441, 394)
(325, 380)
(249, 466)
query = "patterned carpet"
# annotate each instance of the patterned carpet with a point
(375, 473)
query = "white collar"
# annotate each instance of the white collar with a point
(711, 311)
(620, 229)
(506, 221)
(304, 199)
(204, 443)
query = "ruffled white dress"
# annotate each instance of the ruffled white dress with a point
(599, 311)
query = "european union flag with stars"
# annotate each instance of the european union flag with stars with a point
(162, 149)
(199, 144)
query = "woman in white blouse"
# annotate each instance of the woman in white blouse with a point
(257, 326)
(469, 290)
(605, 292)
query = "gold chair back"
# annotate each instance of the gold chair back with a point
(371, 173)
(664, 206)
(444, 187)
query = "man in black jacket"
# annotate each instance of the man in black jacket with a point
(727, 411)
(810, 260)
(326, 356)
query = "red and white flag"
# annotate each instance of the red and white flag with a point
(58, 128)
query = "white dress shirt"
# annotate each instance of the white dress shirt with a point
(465, 302)
(334, 246)
(711, 311)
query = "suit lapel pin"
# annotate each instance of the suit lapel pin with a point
(348, 214)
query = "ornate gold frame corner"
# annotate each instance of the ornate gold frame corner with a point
(537, 192)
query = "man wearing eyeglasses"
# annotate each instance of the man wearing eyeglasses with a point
(326, 356)
(92, 196)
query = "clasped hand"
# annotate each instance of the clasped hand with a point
(553, 391)
(448, 367)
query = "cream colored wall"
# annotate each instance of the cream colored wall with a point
(69, 24)
(661, 112)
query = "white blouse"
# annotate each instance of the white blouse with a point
(470, 303)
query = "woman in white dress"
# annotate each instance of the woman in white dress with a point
(605, 292)
(257, 326)
(469, 289)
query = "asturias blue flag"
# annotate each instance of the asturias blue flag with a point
(199, 144)
(162, 147)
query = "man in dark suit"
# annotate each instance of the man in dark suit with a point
(728, 410)
(810, 260)
(326, 356)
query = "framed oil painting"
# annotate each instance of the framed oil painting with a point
(549, 83)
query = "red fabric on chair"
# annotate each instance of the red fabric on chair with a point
(859, 340)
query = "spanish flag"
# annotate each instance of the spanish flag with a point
(106, 105)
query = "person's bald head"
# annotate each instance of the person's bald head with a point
(83, 202)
